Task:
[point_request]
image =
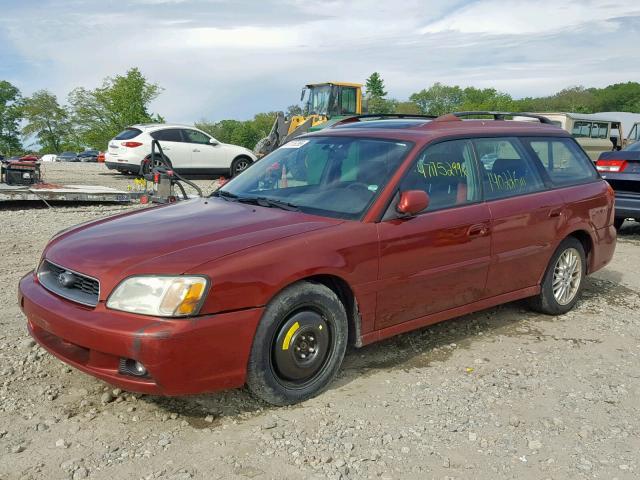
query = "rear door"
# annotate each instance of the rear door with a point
(173, 146)
(438, 259)
(525, 215)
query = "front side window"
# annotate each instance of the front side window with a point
(506, 170)
(581, 129)
(563, 160)
(633, 134)
(194, 136)
(446, 173)
(168, 135)
(338, 177)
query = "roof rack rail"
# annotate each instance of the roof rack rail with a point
(382, 116)
(502, 115)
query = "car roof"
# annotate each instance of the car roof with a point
(156, 126)
(424, 130)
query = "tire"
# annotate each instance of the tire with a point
(299, 344)
(617, 222)
(239, 165)
(556, 304)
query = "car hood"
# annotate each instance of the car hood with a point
(173, 239)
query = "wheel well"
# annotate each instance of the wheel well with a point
(243, 156)
(346, 296)
(587, 243)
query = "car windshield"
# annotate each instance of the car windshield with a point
(337, 177)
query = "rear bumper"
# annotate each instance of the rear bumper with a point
(627, 205)
(185, 356)
(122, 167)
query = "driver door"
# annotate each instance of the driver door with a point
(439, 259)
(204, 154)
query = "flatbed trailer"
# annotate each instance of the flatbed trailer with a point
(49, 192)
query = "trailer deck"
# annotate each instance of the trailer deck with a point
(49, 192)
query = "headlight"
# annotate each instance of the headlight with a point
(178, 296)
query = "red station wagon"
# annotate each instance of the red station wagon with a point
(344, 236)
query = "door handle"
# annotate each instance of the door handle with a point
(478, 230)
(196, 150)
(166, 149)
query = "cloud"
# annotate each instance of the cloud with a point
(520, 17)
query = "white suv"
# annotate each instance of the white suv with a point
(191, 151)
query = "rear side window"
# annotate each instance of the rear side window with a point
(168, 135)
(600, 130)
(446, 172)
(563, 160)
(506, 170)
(128, 134)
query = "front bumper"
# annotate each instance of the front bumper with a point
(182, 356)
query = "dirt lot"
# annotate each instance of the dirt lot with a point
(502, 393)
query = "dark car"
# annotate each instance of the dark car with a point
(68, 157)
(88, 156)
(622, 170)
(349, 235)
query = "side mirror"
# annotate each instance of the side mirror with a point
(213, 141)
(412, 202)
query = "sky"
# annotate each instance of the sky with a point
(231, 59)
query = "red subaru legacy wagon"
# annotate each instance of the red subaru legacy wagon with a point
(344, 236)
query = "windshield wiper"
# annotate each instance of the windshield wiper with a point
(269, 202)
(262, 201)
(224, 194)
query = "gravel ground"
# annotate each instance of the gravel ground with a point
(503, 393)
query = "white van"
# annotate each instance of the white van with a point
(594, 133)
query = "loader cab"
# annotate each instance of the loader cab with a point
(332, 99)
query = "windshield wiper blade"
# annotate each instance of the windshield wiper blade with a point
(224, 194)
(269, 202)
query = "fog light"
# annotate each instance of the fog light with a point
(129, 366)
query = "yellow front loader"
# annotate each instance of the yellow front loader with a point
(326, 103)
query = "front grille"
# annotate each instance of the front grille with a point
(69, 284)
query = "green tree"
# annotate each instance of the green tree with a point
(47, 121)
(375, 86)
(121, 101)
(438, 99)
(245, 133)
(408, 108)
(293, 110)
(10, 116)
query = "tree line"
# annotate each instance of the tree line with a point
(90, 118)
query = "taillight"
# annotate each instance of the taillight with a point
(611, 165)
(131, 144)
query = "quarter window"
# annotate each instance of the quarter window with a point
(506, 170)
(445, 171)
(564, 161)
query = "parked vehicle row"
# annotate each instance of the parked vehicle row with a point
(348, 235)
(189, 150)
